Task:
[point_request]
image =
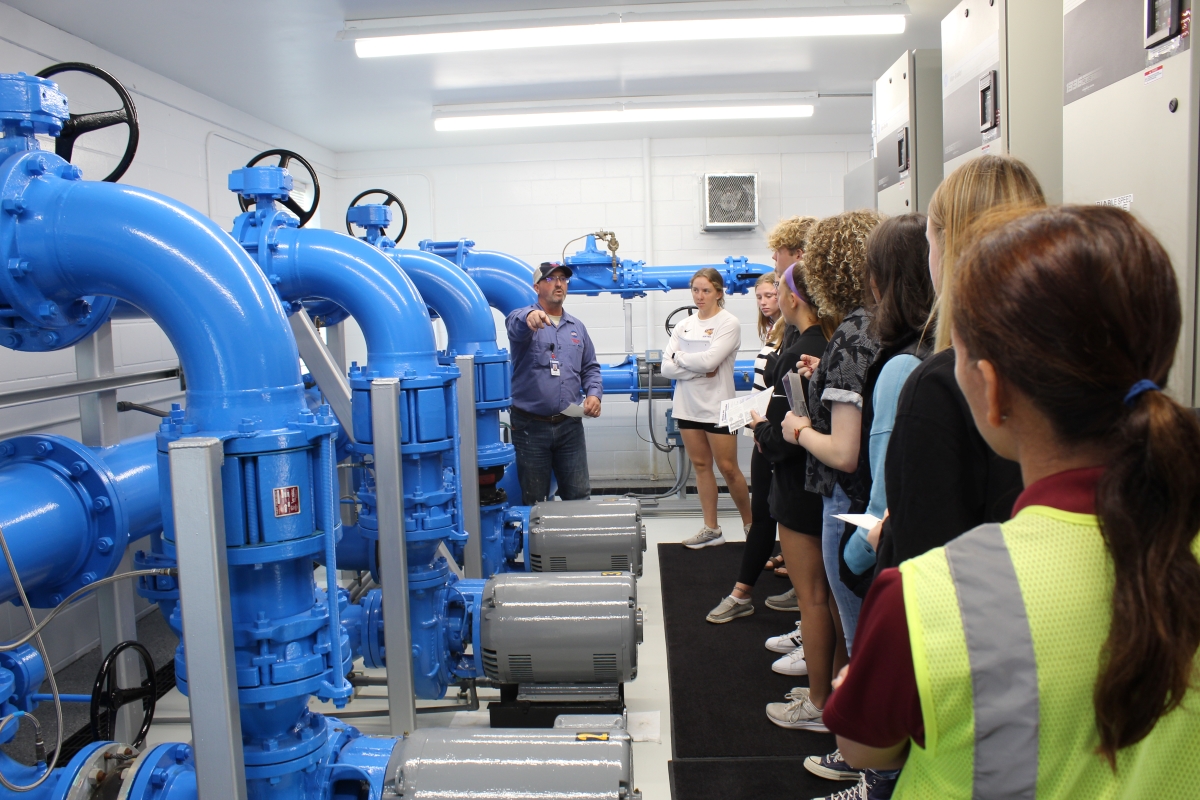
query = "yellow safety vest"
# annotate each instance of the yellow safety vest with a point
(1006, 624)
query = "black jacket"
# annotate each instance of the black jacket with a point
(942, 478)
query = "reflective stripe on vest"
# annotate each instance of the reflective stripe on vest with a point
(1003, 667)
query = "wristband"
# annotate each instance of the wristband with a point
(796, 435)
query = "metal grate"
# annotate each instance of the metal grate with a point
(731, 201)
(491, 664)
(535, 562)
(558, 563)
(620, 562)
(605, 666)
(520, 667)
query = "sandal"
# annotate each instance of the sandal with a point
(781, 572)
(774, 563)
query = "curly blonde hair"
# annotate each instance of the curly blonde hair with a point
(835, 258)
(790, 233)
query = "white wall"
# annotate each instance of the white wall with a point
(529, 200)
(189, 142)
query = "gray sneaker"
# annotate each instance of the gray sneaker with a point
(784, 602)
(798, 714)
(728, 610)
(707, 537)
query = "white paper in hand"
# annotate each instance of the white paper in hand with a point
(796, 395)
(865, 521)
(573, 410)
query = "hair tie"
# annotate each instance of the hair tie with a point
(789, 276)
(1139, 389)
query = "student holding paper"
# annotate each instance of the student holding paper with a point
(1054, 655)
(699, 358)
(833, 266)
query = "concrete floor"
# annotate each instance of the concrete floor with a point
(645, 696)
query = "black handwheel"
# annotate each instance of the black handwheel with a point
(106, 695)
(79, 124)
(390, 198)
(286, 157)
(670, 326)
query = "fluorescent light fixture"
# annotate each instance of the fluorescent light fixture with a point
(629, 33)
(611, 116)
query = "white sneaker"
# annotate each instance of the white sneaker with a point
(791, 664)
(798, 714)
(785, 643)
(707, 537)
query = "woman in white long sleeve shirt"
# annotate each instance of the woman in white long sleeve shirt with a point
(699, 358)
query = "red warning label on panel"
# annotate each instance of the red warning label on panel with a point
(287, 501)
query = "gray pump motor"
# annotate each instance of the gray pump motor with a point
(579, 627)
(602, 533)
(465, 764)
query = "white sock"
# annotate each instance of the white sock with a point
(740, 602)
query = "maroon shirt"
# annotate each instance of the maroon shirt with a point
(878, 704)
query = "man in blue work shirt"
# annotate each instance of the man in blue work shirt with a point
(554, 366)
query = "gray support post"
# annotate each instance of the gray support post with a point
(208, 621)
(331, 378)
(115, 609)
(389, 508)
(335, 340)
(468, 456)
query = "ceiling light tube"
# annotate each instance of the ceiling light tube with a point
(629, 33)
(608, 117)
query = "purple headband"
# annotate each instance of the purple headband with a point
(790, 277)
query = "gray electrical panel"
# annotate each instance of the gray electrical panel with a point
(1131, 114)
(908, 132)
(499, 764)
(858, 187)
(595, 638)
(602, 533)
(1001, 73)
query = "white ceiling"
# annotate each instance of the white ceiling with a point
(280, 60)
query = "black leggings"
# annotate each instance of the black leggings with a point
(760, 541)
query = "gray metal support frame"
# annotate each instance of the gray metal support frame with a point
(208, 621)
(468, 455)
(115, 609)
(389, 506)
(330, 376)
(335, 341)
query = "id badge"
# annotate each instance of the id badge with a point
(554, 367)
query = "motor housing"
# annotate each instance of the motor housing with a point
(570, 628)
(601, 533)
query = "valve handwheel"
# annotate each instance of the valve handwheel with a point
(670, 326)
(286, 157)
(79, 124)
(389, 200)
(107, 695)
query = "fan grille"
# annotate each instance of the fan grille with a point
(732, 201)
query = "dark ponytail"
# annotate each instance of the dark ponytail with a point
(1074, 306)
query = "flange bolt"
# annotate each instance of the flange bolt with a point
(101, 504)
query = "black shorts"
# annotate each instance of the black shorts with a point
(707, 427)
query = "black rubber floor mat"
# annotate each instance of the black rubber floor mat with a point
(720, 675)
(747, 779)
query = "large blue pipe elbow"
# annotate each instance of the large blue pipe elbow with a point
(189, 276)
(506, 281)
(383, 300)
(456, 298)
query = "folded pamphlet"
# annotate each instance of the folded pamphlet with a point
(735, 413)
(865, 521)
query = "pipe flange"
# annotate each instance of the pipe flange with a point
(155, 771)
(108, 529)
(37, 323)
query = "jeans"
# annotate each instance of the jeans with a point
(848, 602)
(545, 446)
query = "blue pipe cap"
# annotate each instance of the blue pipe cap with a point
(34, 104)
(250, 182)
(370, 215)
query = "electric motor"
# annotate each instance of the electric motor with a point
(571, 628)
(603, 533)
(461, 764)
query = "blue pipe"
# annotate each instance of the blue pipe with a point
(455, 297)
(506, 281)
